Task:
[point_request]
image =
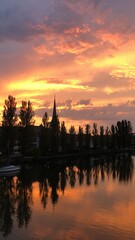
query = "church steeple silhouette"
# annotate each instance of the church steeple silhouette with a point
(55, 119)
(55, 129)
(54, 116)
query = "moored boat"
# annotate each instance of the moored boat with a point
(9, 168)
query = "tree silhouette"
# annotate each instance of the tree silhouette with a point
(9, 121)
(45, 120)
(26, 122)
(123, 132)
(95, 135)
(71, 140)
(80, 137)
(101, 136)
(72, 130)
(9, 113)
(45, 139)
(26, 114)
(87, 136)
(63, 133)
(113, 136)
(107, 135)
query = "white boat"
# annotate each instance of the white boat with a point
(9, 168)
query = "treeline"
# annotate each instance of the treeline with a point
(10, 117)
(53, 136)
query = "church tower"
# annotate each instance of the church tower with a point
(55, 119)
(55, 128)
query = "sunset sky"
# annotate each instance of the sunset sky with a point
(83, 52)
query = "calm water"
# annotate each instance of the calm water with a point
(91, 200)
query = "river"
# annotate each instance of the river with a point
(91, 199)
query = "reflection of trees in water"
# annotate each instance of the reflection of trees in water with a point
(88, 177)
(16, 193)
(120, 168)
(7, 204)
(54, 194)
(72, 177)
(51, 181)
(24, 200)
(43, 190)
(86, 171)
(54, 180)
(15, 200)
(63, 180)
(81, 176)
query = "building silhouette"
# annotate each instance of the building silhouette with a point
(55, 129)
(55, 120)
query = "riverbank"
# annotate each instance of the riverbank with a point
(61, 157)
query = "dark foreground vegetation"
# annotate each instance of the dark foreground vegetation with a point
(19, 137)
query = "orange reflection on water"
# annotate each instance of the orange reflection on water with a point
(103, 206)
(79, 201)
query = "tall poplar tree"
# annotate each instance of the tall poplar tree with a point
(9, 113)
(26, 114)
(9, 120)
(63, 133)
(26, 122)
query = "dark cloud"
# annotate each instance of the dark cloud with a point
(84, 102)
(14, 20)
(107, 113)
(67, 104)
(133, 102)
(60, 25)
(23, 20)
(103, 79)
(92, 113)
(53, 80)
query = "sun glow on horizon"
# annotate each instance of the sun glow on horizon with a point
(42, 85)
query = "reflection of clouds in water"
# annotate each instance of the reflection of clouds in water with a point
(75, 201)
(72, 233)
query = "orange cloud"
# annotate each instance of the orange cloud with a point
(78, 30)
(68, 45)
(42, 50)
